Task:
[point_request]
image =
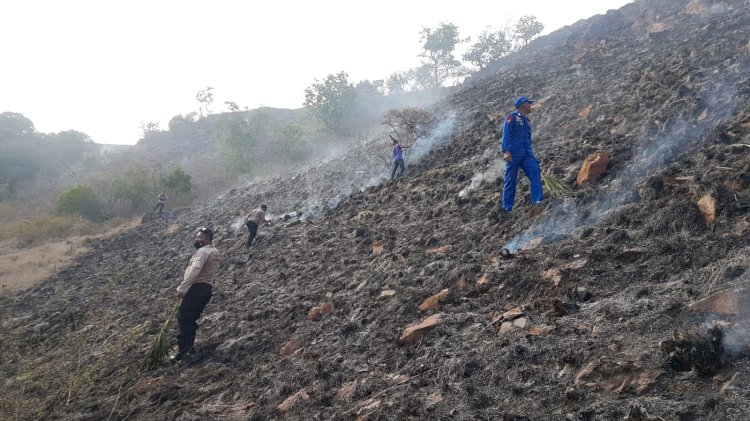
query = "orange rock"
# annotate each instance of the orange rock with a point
(594, 166)
(441, 250)
(585, 112)
(326, 308)
(377, 248)
(733, 302)
(289, 402)
(291, 346)
(414, 333)
(541, 330)
(484, 280)
(315, 313)
(461, 283)
(432, 302)
(707, 207)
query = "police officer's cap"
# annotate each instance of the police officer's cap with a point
(521, 99)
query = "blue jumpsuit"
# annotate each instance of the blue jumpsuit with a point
(517, 141)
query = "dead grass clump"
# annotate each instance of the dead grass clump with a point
(38, 230)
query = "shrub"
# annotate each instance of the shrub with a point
(80, 200)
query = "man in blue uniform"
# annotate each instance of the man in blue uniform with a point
(517, 153)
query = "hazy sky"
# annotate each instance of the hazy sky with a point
(104, 67)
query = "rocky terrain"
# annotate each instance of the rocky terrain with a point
(394, 300)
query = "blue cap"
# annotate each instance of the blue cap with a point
(521, 99)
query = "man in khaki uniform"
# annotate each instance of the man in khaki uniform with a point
(253, 220)
(195, 290)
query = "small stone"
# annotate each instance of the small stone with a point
(326, 308)
(432, 302)
(520, 323)
(315, 313)
(291, 346)
(707, 207)
(289, 402)
(414, 333)
(388, 293)
(541, 330)
(505, 327)
(513, 314)
(346, 391)
(440, 250)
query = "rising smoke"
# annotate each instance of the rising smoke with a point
(564, 218)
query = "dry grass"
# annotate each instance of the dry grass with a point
(31, 253)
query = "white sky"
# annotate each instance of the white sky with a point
(103, 67)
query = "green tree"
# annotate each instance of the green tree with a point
(205, 98)
(21, 150)
(149, 127)
(438, 46)
(290, 145)
(181, 122)
(80, 200)
(489, 47)
(333, 100)
(14, 126)
(409, 124)
(232, 106)
(238, 135)
(135, 186)
(397, 83)
(527, 28)
(177, 181)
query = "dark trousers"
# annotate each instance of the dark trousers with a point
(190, 310)
(398, 165)
(159, 206)
(252, 228)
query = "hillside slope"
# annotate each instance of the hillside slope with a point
(568, 329)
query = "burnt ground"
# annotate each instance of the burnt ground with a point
(662, 86)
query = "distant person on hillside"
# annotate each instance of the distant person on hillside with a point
(195, 290)
(398, 157)
(518, 153)
(253, 220)
(162, 200)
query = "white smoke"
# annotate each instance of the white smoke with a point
(493, 171)
(566, 217)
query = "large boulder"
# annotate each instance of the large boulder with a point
(594, 166)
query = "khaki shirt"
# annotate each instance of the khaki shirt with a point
(257, 216)
(202, 268)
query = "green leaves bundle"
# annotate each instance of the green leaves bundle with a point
(555, 187)
(161, 344)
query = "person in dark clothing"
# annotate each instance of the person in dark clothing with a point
(195, 291)
(253, 220)
(398, 158)
(162, 201)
